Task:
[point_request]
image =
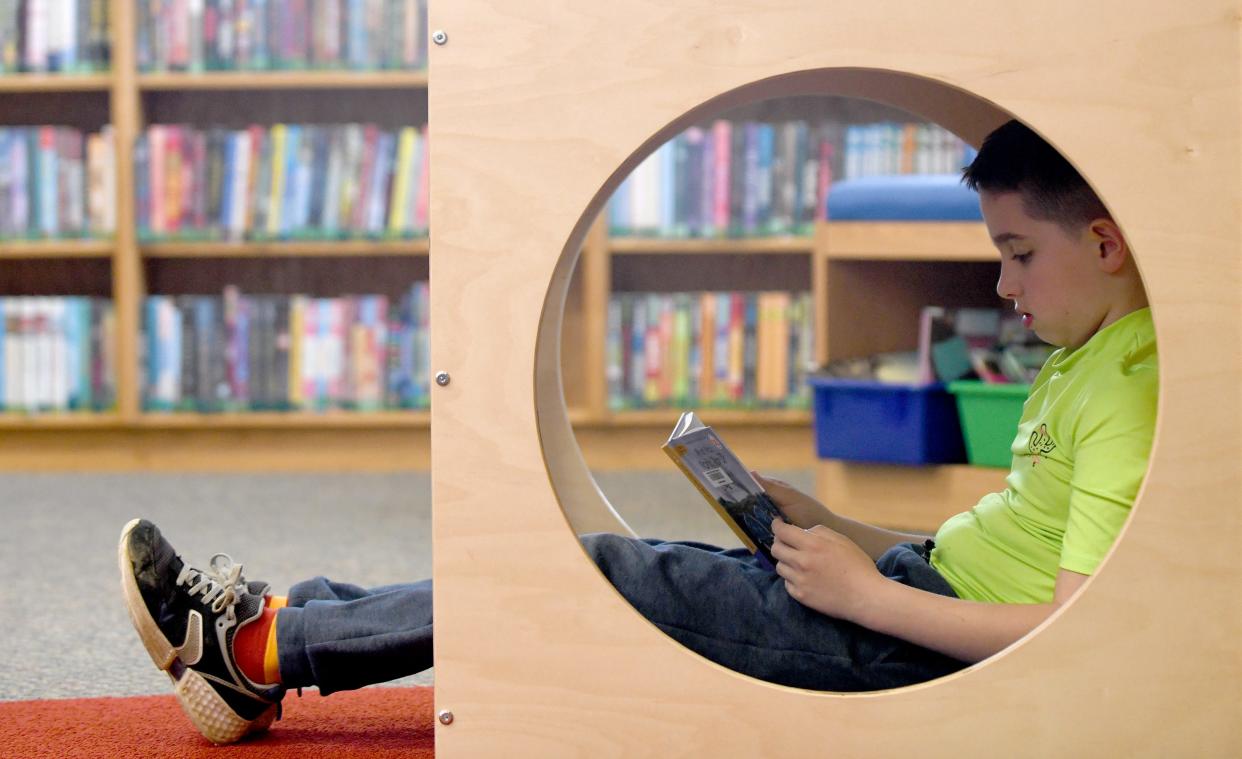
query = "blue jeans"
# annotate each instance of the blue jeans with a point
(717, 602)
(339, 637)
(723, 605)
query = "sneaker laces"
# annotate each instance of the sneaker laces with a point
(218, 585)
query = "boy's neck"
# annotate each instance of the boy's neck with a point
(1130, 297)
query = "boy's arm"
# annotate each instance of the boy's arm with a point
(806, 512)
(827, 572)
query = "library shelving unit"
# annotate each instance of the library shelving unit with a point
(127, 269)
(767, 438)
(871, 280)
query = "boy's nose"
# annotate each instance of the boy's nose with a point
(1007, 285)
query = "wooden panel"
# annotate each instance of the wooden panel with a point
(596, 290)
(274, 80)
(874, 306)
(750, 247)
(128, 287)
(203, 449)
(359, 249)
(265, 420)
(538, 111)
(23, 83)
(908, 240)
(576, 343)
(903, 497)
(14, 249)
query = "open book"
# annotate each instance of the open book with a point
(726, 484)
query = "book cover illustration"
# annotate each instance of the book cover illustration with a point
(726, 484)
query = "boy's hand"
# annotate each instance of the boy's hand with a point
(798, 507)
(823, 569)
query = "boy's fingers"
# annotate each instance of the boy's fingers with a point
(769, 481)
(793, 535)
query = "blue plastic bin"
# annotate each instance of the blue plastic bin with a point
(863, 420)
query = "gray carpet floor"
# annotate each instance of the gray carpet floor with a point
(66, 632)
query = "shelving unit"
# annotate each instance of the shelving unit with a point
(871, 280)
(129, 437)
(842, 273)
(40, 83)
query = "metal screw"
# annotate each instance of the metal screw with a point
(446, 717)
(442, 378)
(439, 37)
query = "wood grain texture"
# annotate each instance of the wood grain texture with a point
(539, 109)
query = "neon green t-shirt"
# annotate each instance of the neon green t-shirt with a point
(1079, 457)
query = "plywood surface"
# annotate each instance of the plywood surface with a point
(539, 108)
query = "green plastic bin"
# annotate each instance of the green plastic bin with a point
(989, 413)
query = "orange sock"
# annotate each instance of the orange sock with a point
(254, 646)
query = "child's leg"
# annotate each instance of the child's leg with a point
(211, 631)
(739, 615)
(337, 636)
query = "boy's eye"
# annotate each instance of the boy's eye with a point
(1021, 257)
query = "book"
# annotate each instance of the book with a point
(727, 485)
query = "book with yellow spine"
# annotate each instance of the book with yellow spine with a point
(725, 483)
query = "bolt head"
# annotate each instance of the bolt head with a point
(439, 37)
(445, 717)
(442, 378)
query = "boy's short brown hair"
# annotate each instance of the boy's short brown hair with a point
(1015, 159)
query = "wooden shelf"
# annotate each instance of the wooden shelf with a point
(290, 420)
(338, 248)
(714, 417)
(753, 246)
(283, 80)
(56, 249)
(905, 241)
(131, 438)
(17, 83)
(60, 421)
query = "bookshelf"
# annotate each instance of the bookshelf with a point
(903, 266)
(127, 269)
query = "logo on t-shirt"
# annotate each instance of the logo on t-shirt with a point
(1040, 444)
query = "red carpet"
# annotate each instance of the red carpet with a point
(372, 722)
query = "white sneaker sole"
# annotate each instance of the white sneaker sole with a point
(210, 713)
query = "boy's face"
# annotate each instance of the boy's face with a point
(1052, 276)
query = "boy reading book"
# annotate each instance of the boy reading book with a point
(849, 606)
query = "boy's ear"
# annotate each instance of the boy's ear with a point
(1111, 245)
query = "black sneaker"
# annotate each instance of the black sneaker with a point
(169, 601)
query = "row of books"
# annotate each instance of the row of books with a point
(748, 179)
(725, 349)
(213, 35)
(735, 179)
(57, 182)
(288, 181)
(64, 36)
(893, 148)
(243, 352)
(56, 354)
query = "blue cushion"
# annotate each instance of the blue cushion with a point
(925, 197)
